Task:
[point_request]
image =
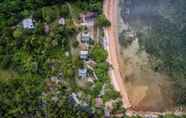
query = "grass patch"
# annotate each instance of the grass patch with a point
(7, 74)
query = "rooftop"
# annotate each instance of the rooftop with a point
(85, 37)
(83, 52)
(82, 72)
(86, 34)
(88, 14)
(61, 20)
(73, 99)
(46, 28)
(28, 23)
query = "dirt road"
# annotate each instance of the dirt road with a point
(110, 11)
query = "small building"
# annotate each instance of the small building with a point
(88, 16)
(131, 34)
(82, 72)
(73, 99)
(85, 37)
(67, 54)
(28, 23)
(46, 28)
(85, 108)
(107, 113)
(151, 116)
(55, 79)
(60, 76)
(55, 99)
(84, 55)
(61, 21)
(99, 102)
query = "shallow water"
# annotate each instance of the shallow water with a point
(140, 13)
(147, 90)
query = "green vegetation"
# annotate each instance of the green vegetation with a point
(166, 116)
(102, 21)
(172, 116)
(101, 71)
(19, 93)
(110, 93)
(28, 57)
(98, 54)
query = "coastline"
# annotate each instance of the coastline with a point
(121, 26)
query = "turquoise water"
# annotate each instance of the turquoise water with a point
(142, 12)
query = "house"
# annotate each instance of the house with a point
(99, 102)
(83, 72)
(131, 34)
(85, 37)
(55, 99)
(84, 55)
(61, 21)
(28, 23)
(46, 28)
(151, 116)
(88, 16)
(55, 79)
(107, 113)
(85, 108)
(60, 76)
(73, 99)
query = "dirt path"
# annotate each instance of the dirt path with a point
(110, 11)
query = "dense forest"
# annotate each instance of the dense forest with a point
(163, 35)
(28, 57)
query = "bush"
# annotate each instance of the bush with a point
(102, 21)
(101, 71)
(17, 33)
(98, 54)
(75, 44)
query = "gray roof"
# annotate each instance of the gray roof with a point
(74, 99)
(83, 72)
(83, 54)
(28, 23)
(85, 36)
(61, 21)
(107, 114)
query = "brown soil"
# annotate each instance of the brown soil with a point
(147, 90)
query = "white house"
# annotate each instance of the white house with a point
(74, 99)
(28, 23)
(88, 16)
(61, 21)
(107, 113)
(83, 72)
(85, 37)
(46, 28)
(84, 55)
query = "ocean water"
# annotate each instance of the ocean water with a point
(142, 13)
(147, 90)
